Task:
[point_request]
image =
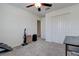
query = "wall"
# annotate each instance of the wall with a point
(13, 20)
(61, 23)
(43, 27)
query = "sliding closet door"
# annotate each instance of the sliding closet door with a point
(59, 27)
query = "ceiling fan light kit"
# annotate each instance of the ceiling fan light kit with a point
(38, 5)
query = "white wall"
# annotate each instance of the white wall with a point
(61, 23)
(13, 20)
(43, 27)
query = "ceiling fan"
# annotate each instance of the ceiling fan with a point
(38, 5)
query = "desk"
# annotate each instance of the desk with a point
(66, 47)
(71, 41)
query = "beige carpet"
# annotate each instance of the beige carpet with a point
(38, 48)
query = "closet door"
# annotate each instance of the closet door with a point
(59, 27)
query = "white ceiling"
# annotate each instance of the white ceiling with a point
(34, 10)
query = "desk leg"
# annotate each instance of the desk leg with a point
(66, 49)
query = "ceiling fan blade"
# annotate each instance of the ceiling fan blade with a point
(47, 4)
(39, 9)
(30, 5)
(47, 8)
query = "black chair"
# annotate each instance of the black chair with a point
(34, 37)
